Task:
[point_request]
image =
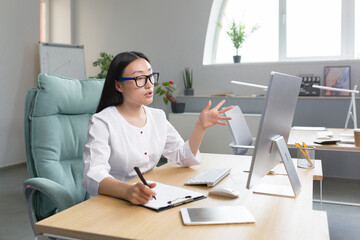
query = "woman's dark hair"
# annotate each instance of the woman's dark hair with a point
(110, 96)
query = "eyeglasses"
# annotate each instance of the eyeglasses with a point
(141, 81)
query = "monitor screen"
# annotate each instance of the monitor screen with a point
(276, 120)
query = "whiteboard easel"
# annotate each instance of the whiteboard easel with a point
(64, 60)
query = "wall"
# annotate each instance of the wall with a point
(19, 66)
(60, 18)
(172, 33)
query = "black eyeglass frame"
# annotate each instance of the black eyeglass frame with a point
(148, 77)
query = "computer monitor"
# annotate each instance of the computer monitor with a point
(275, 124)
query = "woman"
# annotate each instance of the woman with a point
(125, 133)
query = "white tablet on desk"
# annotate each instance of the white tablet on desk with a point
(216, 215)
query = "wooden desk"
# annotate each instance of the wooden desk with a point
(309, 136)
(105, 217)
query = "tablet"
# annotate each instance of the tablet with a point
(216, 215)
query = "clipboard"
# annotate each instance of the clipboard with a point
(170, 196)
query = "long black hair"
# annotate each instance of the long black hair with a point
(110, 96)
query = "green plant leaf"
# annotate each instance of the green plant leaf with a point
(157, 91)
(165, 100)
(162, 92)
(103, 62)
(238, 34)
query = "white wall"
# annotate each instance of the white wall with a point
(172, 33)
(19, 66)
(60, 21)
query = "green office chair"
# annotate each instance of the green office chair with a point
(56, 123)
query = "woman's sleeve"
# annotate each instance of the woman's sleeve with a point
(96, 155)
(178, 151)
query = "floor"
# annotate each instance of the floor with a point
(344, 221)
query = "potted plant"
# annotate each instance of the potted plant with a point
(166, 90)
(188, 81)
(104, 63)
(238, 35)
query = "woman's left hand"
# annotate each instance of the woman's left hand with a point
(210, 117)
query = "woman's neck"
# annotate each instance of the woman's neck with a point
(135, 115)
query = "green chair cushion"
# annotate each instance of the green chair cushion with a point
(58, 123)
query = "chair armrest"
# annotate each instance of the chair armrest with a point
(241, 146)
(57, 193)
(52, 190)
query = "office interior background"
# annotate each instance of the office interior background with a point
(172, 34)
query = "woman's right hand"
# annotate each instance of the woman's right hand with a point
(140, 194)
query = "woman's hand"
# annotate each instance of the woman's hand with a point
(210, 117)
(140, 194)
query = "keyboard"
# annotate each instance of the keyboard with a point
(209, 177)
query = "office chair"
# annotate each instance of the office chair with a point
(240, 132)
(56, 123)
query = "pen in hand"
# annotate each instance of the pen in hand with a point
(137, 170)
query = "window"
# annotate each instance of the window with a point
(261, 45)
(289, 30)
(44, 13)
(313, 28)
(357, 29)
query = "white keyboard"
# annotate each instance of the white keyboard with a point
(209, 177)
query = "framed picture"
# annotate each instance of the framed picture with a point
(337, 77)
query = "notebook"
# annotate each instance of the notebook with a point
(170, 196)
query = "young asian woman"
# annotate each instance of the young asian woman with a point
(125, 133)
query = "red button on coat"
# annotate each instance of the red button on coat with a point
(145, 153)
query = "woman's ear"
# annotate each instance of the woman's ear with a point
(118, 86)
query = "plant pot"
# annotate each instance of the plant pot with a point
(178, 107)
(188, 91)
(237, 58)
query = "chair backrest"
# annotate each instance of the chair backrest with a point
(239, 129)
(56, 123)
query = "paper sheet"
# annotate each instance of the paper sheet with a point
(167, 195)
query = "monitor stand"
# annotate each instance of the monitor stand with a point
(282, 190)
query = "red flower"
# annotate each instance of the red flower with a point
(171, 82)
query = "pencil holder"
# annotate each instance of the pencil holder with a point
(303, 160)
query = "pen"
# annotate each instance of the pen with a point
(307, 153)
(137, 170)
